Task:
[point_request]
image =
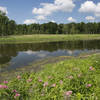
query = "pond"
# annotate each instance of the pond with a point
(20, 55)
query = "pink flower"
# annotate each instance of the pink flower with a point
(91, 68)
(88, 85)
(61, 82)
(53, 85)
(40, 80)
(70, 77)
(29, 80)
(16, 95)
(45, 84)
(3, 87)
(5, 82)
(18, 77)
(68, 93)
(14, 91)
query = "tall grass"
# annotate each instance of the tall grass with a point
(46, 38)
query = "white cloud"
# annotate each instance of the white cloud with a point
(40, 17)
(90, 18)
(90, 7)
(71, 19)
(58, 5)
(53, 21)
(65, 5)
(47, 9)
(97, 10)
(30, 21)
(4, 10)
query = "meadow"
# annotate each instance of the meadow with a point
(71, 79)
(46, 38)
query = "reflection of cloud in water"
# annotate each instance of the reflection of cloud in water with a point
(29, 52)
(26, 57)
(41, 55)
(38, 53)
(70, 52)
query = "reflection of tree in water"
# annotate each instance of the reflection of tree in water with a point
(7, 51)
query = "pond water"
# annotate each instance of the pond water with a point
(20, 55)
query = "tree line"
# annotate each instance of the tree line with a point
(9, 27)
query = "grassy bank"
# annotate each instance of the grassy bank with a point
(72, 79)
(46, 38)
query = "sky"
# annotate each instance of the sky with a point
(59, 11)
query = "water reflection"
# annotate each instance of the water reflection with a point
(19, 55)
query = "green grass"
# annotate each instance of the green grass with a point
(46, 38)
(69, 75)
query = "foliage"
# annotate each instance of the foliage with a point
(73, 79)
(9, 27)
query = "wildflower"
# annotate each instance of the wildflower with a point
(18, 77)
(88, 85)
(70, 77)
(16, 95)
(53, 85)
(40, 80)
(45, 84)
(91, 68)
(68, 93)
(61, 82)
(5, 82)
(14, 91)
(3, 87)
(29, 80)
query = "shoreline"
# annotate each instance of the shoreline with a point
(74, 75)
(18, 39)
(39, 66)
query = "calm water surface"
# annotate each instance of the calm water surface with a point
(20, 55)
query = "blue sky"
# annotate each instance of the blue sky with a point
(60, 11)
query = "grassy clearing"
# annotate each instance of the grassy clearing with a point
(73, 79)
(46, 38)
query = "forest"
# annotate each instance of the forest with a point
(9, 27)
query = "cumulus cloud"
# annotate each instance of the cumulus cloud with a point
(40, 17)
(97, 10)
(4, 10)
(46, 10)
(90, 7)
(71, 19)
(30, 21)
(87, 6)
(57, 5)
(53, 21)
(90, 18)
